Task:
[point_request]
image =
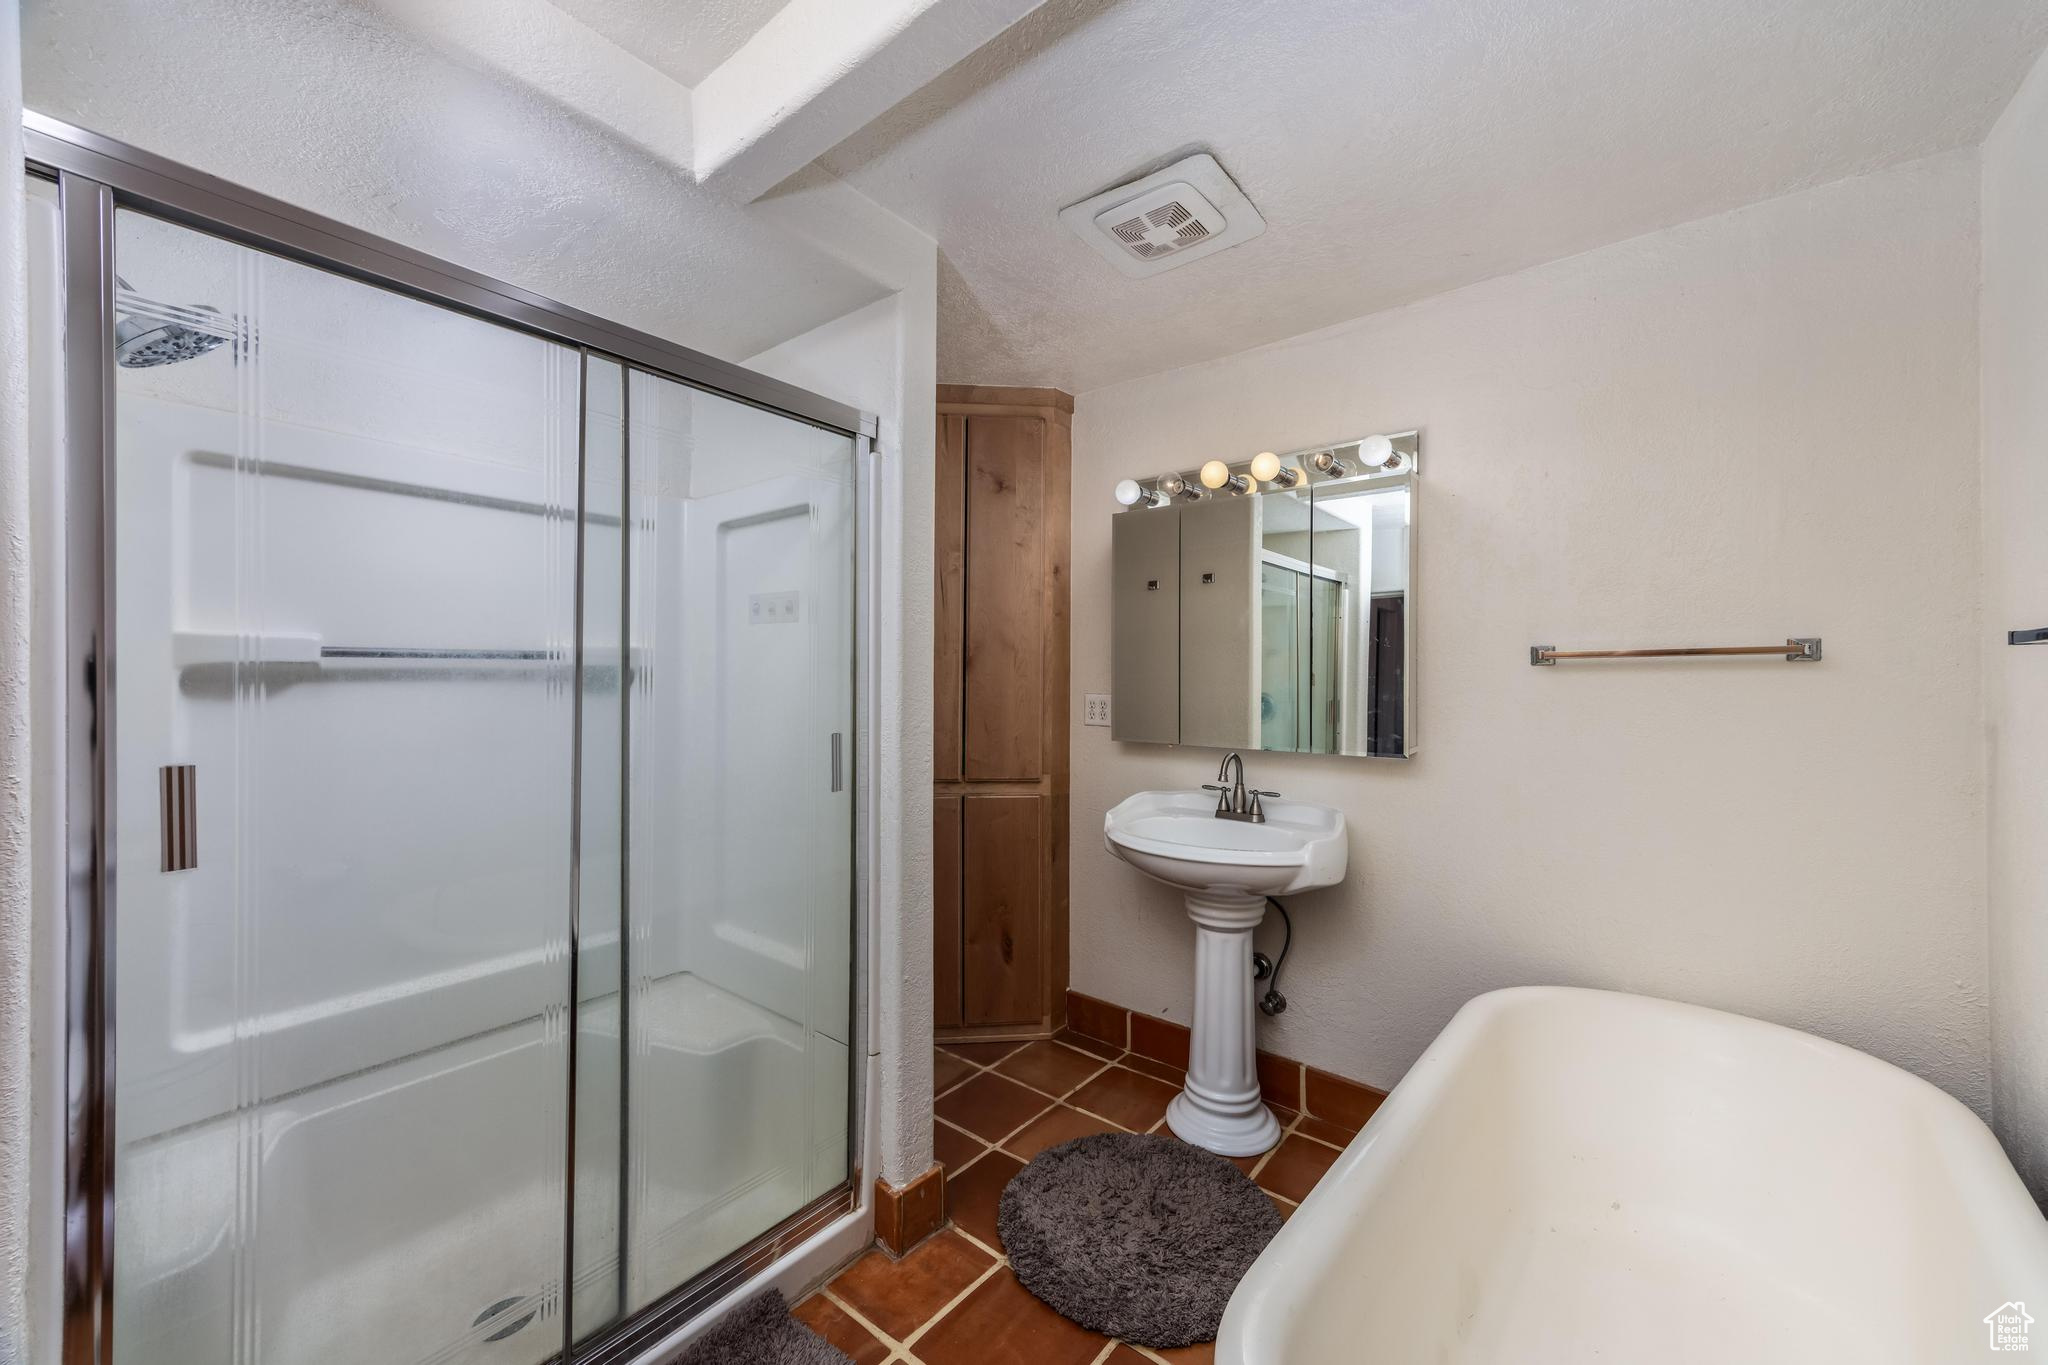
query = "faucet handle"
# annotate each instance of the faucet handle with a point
(1222, 795)
(1258, 810)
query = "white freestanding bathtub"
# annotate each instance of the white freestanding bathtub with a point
(1580, 1176)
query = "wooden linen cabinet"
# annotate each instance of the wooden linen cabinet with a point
(1001, 712)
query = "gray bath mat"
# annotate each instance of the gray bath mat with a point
(1135, 1236)
(761, 1332)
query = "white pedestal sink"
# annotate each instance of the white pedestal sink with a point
(1226, 869)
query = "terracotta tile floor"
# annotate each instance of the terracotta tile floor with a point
(953, 1300)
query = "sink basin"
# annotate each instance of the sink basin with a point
(1225, 869)
(1174, 836)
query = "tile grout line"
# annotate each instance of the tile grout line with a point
(1056, 1102)
(1002, 1263)
(957, 1128)
(1292, 1127)
(976, 1069)
(901, 1351)
(892, 1343)
(975, 1137)
(1002, 1257)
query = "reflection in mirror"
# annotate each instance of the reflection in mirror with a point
(1358, 655)
(1287, 628)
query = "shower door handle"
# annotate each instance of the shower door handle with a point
(838, 769)
(178, 816)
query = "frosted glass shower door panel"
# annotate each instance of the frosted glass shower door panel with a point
(742, 825)
(1281, 690)
(344, 582)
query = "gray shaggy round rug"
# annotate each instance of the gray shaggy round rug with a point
(1135, 1236)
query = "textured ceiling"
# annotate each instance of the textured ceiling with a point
(1397, 148)
(329, 106)
(682, 39)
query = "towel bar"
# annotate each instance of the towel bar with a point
(1800, 650)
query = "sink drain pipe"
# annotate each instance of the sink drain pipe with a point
(1263, 967)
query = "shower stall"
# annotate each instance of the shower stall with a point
(466, 918)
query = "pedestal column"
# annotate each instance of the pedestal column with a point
(1220, 1109)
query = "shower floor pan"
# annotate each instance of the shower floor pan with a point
(385, 1215)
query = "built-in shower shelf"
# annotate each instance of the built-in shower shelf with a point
(200, 649)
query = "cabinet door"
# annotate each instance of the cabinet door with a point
(949, 572)
(945, 911)
(1145, 624)
(1003, 909)
(1219, 594)
(1004, 688)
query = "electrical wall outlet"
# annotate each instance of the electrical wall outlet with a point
(1097, 710)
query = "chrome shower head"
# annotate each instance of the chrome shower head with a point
(147, 334)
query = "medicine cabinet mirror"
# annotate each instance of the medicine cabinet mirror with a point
(1269, 604)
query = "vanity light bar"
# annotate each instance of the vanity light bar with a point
(1369, 457)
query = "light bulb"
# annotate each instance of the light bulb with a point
(1215, 474)
(1375, 451)
(1173, 485)
(1128, 492)
(1266, 468)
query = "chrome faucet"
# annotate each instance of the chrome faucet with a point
(1233, 800)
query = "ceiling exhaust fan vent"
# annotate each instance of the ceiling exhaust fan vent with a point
(1172, 218)
(1188, 210)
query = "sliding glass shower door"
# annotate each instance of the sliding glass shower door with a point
(740, 825)
(484, 822)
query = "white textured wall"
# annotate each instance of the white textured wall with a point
(2015, 336)
(1756, 425)
(882, 358)
(15, 1072)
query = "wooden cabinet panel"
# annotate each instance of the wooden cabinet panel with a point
(1055, 759)
(1003, 699)
(946, 911)
(1000, 713)
(949, 569)
(1003, 911)
(1056, 915)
